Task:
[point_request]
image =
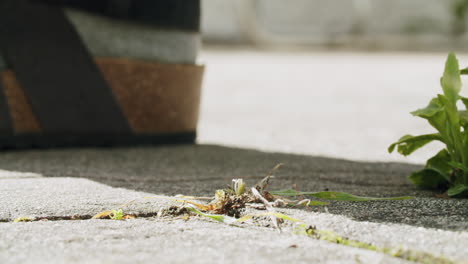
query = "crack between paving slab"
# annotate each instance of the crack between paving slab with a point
(68, 218)
(409, 255)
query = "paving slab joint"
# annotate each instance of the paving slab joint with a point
(72, 217)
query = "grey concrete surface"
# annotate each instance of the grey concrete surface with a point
(173, 240)
(67, 197)
(201, 169)
(336, 104)
(162, 241)
(436, 241)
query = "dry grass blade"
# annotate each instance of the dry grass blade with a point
(263, 184)
(268, 206)
(103, 215)
(193, 197)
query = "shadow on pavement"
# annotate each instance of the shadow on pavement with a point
(201, 169)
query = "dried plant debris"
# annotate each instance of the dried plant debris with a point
(233, 200)
(229, 205)
(114, 215)
(24, 219)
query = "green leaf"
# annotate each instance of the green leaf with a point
(428, 178)
(454, 137)
(463, 115)
(220, 218)
(464, 71)
(231, 220)
(435, 115)
(450, 109)
(451, 82)
(458, 166)
(408, 143)
(440, 164)
(335, 196)
(464, 122)
(459, 189)
(429, 111)
(317, 203)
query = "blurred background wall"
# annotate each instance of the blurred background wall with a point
(360, 24)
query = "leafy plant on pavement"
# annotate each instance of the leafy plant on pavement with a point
(448, 169)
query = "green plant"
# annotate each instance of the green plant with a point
(459, 11)
(116, 215)
(448, 169)
(337, 196)
(238, 186)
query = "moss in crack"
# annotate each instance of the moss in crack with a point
(410, 255)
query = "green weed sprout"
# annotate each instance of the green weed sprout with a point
(238, 186)
(448, 169)
(116, 215)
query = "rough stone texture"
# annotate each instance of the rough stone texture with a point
(201, 169)
(173, 241)
(65, 197)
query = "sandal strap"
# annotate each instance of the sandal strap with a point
(64, 86)
(6, 124)
(172, 14)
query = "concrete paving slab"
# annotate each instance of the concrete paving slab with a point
(193, 169)
(349, 105)
(175, 241)
(435, 241)
(201, 169)
(66, 197)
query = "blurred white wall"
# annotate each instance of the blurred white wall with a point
(406, 24)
